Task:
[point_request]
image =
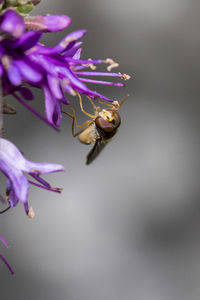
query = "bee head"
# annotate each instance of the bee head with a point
(108, 120)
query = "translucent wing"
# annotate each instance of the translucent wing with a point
(97, 148)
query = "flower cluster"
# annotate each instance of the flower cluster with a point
(55, 70)
(59, 72)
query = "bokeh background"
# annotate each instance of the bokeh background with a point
(127, 226)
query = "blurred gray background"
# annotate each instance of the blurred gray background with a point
(127, 226)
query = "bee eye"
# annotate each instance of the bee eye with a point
(106, 126)
(117, 119)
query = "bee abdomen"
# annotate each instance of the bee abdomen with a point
(88, 136)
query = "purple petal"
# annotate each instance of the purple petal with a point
(50, 103)
(1, 69)
(10, 155)
(14, 74)
(64, 44)
(27, 71)
(42, 168)
(55, 86)
(72, 37)
(19, 185)
(72, 51)
(26, 93)
(12, 23)
(56, 22)
(27, 41)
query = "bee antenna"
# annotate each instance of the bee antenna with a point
(123, 100)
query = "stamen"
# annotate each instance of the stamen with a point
(101, 82)
(52, 189)
(91, 66)
(84, 73)
(7, 264)
(112, 64)
(4, 241)
(31, 213)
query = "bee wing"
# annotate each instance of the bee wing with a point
(97, 148)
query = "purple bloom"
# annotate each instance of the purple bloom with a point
(13, 164)
(55, 70)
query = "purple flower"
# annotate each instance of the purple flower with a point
(13, 164)
(55, 70)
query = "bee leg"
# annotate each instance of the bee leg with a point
(101, 102)
(82, 109)
(88, 123)
(95, 108)
(74, 120)
(113, 106)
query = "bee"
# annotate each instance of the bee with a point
(100, 129)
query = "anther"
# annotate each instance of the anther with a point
(125, 77)
(31, 213)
